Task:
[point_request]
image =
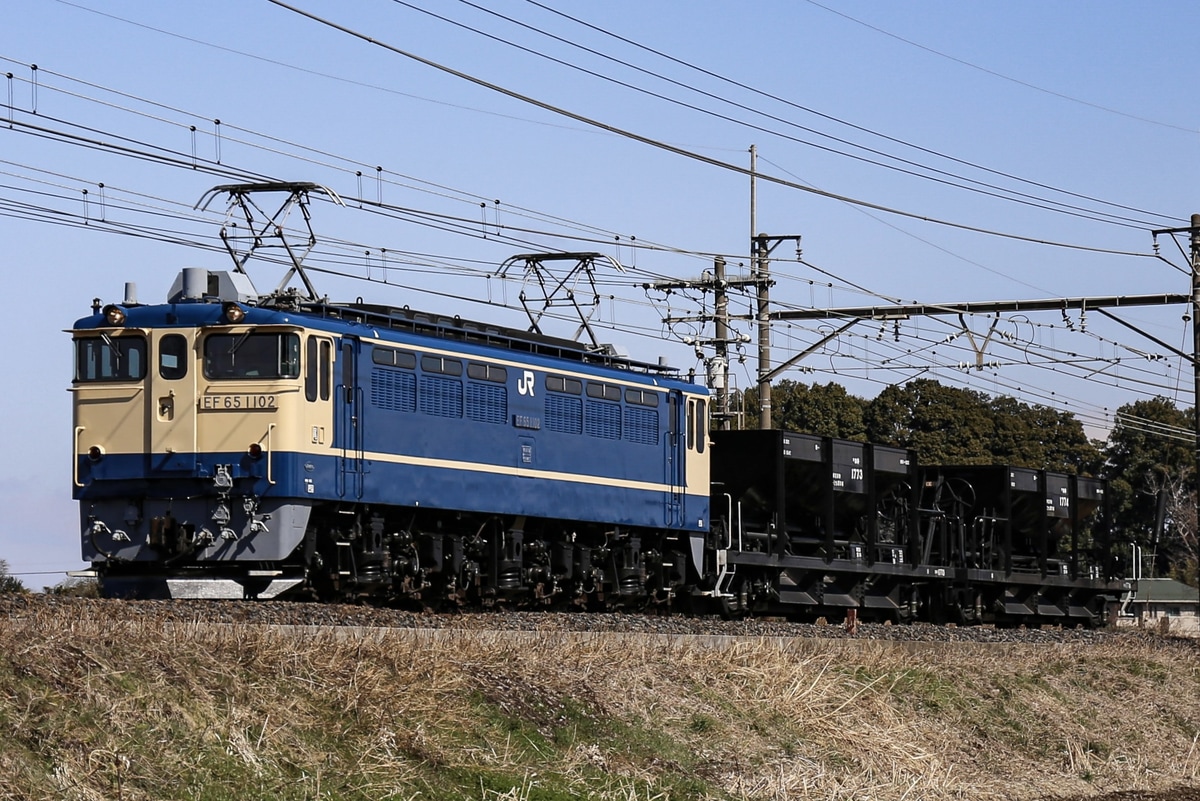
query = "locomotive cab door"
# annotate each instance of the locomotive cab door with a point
(171, 388)
(319, 401)
(674, 458)
(694, 474)
(348, 421)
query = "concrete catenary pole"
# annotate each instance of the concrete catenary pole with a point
(762, 284)
(721, 344)
(1195, 237)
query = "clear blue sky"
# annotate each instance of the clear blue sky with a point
(1092, 99)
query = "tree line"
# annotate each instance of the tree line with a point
(1148, 456)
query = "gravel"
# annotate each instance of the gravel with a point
(285, 613)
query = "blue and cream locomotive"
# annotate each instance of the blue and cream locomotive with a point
(229, 448)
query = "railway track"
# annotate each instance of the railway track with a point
(295, 614)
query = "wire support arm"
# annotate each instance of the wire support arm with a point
(905, 311)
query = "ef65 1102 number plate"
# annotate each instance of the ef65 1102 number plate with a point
(237, 403)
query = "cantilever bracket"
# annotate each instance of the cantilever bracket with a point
(980, 348)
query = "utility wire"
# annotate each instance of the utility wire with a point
(1000, 75)
(838, 120)
(160, 234)
(989, 190)
(305, 70)
(679, 151)
(356, 248)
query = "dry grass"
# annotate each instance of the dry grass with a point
(139, 709)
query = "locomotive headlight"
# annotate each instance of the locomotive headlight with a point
(233, 312)
(255, 450)
(114, 315)
(95, 453)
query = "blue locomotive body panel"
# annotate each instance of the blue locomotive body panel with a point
(504, 442)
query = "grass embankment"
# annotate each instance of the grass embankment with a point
(139, 709)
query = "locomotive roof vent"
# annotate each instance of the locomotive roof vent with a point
(197, 284)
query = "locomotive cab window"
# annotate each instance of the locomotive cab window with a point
(311, 372)
(172, 357)
(252, 355)
(106, 358)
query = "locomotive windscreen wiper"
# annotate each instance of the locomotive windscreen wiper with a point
(240, 341)
(116, 352)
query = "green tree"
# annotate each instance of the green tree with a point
(1150, 462)
(9, 583)
(947, 425)
(1041, 438)
(826, 410)
(944, 425)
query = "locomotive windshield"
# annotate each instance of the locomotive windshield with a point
(106, 358)
(252, 355)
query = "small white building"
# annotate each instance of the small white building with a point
(1164, 605)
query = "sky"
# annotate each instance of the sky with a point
(932, 152)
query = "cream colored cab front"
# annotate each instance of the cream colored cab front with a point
(173, 394)
(265, 386)
(109, 393)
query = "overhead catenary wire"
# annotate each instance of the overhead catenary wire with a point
(851, 283)
(629, 243)
(707, 72)
(965, 364)
(1057, 366)
(602, 236)
(179, 237)
(648, 331)
(354, 248)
